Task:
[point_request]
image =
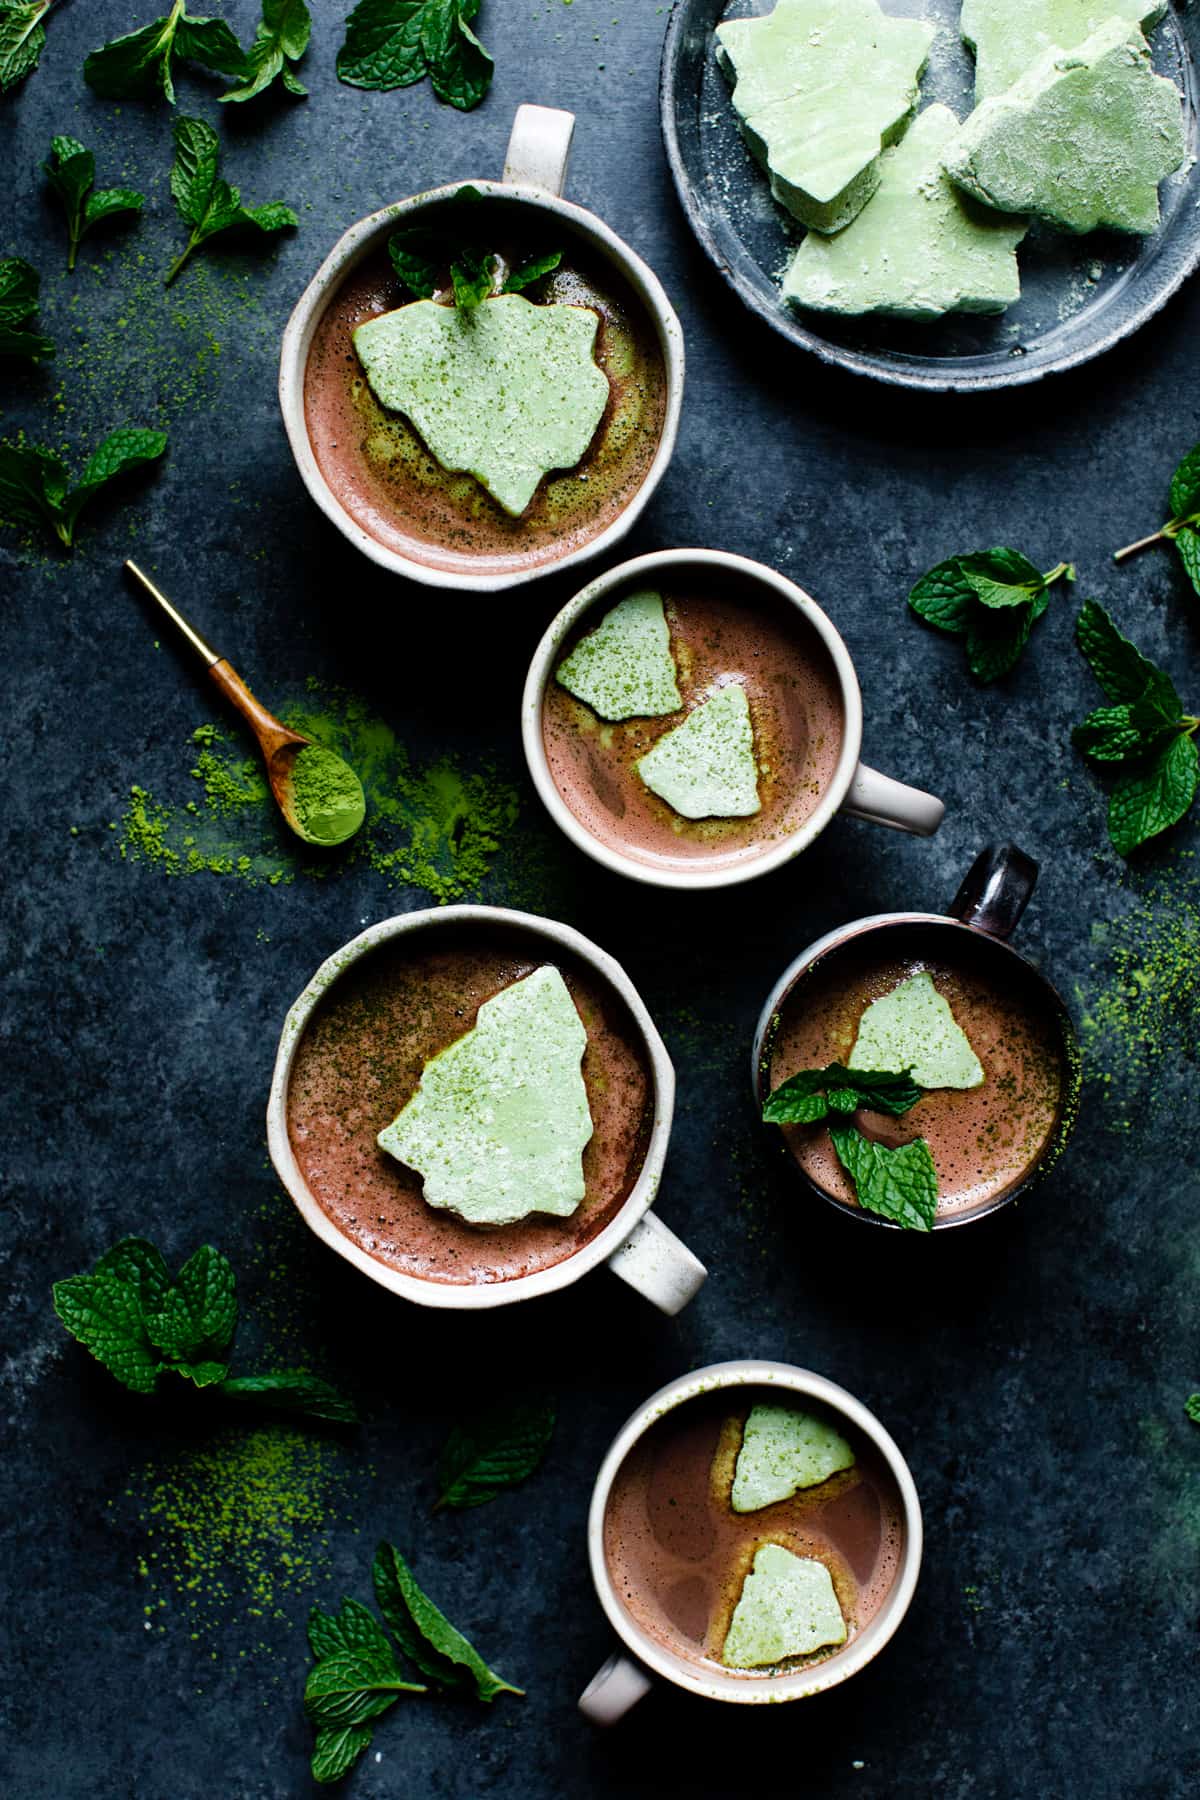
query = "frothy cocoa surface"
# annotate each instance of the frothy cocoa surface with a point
(722, 628)
(381, 473)
(678, 1554)
(983, 1140)
(360, 1060)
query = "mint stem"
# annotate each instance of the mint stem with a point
(1056, 574)
(175, 267)
(1142, 544)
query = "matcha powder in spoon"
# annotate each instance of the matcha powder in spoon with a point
(327, 796)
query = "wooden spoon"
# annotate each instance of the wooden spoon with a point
(280, 746)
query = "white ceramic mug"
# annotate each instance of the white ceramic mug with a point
(623, 1680)
(855, 789)
(535, 169)
(635, 1244)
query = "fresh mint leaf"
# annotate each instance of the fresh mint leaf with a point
(417, 255)
(203, 1374)
(474, 276)
(1183, 527)
(199, 1312)
(136, 1263)
(355, 1628)
(106, 1318)
(71, 172)
(441, 1650)
(22, 39)
(1154, 795)
(808, 1096)
(35, 487)
(1191, 1407)
(292, 1391)
(141, 64)
(19, 285)
(393, 43)
(493, 1451)
(206, 203)
(337, 1749)
(1119, 666)
(532, 270)
(899, 1184)
(281, 38)
(352, 1686)
(993, 597)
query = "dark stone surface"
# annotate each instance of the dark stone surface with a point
(1033, 1370)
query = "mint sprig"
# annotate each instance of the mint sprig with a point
(1144, 731)
(426, 260)
(19, 285)
(22, 39)
(280, 40)
(1183, 527)
(358, 1676)
(141, 1322)
(207, 203)
(493, 1451)
(35, 486)
(71, 172)
(992, 598)
(393, 43)
(141, 64)
(899, 1184)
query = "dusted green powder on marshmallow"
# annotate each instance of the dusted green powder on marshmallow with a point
(1008, 36)
(624, 668)
(499, 1123)
(913, 1029)
(1082, 140)
(505, 390)
(784, 1450)
(919, 248)
(821, 87)
(327, 796)
(787, 1607)
(705, 768)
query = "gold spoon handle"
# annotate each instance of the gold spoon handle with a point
(193, 637)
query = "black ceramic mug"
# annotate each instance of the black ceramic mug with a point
(990, 1143)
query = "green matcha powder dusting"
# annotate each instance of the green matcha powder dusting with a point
(327, 796)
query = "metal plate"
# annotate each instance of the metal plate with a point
(1079, 296)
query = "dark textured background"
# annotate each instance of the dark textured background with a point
(1032, 1369)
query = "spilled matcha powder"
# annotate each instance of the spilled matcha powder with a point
(436, 826)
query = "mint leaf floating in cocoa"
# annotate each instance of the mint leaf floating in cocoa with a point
(493, 1451)
(22, 39)
(141, 1322)
(993, 598)
(393, 43)
(899, 1184)
(809, 1096)
(426, 1636)
(35, 487)
(1183, 527)
(1144, 731)
(280, 40)
(71, 172)
(427, 260)
(142, 63)
(533, 269)
(19, 284)
(206, 203)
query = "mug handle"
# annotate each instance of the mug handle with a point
(659, 1265)
(995, 890)
(539, 147)
(614, 1689)
(886, 802)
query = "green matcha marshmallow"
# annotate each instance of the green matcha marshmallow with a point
(499, 1122)
(787, 1607)
(913, 1028)
(1082, 140)
(919, 248)
(505, 390)
(1008, 36)
(705, 768)
(820, 87)
(784, 1450)
(624, 668)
